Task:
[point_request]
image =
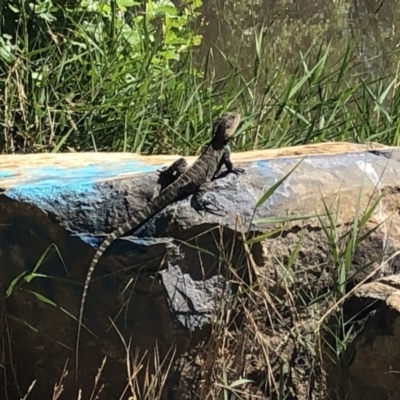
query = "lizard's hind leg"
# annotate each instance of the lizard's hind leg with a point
(168, 175)
(206, 202)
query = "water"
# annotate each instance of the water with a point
(291, 28)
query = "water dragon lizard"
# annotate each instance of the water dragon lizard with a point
(185, 181)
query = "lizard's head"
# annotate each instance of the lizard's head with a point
(225, 126)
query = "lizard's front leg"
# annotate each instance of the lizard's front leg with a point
(226, 159)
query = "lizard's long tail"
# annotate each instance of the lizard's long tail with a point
(122, 230)
(133, 224)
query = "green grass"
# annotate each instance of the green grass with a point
(94, 80)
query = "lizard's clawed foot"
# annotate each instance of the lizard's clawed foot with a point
(238, 171)
(212, 210)
(208, 204)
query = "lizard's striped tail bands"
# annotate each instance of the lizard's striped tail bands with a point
(126, 227)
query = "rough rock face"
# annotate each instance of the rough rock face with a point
(164, 285)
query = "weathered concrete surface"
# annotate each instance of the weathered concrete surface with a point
(157, 290)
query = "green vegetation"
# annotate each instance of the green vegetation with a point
(115, 75)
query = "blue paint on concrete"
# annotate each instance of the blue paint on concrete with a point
(53, 187)
(45, 176)
(271, 166)
(39, 193)
(264, 166)
(6, 174)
